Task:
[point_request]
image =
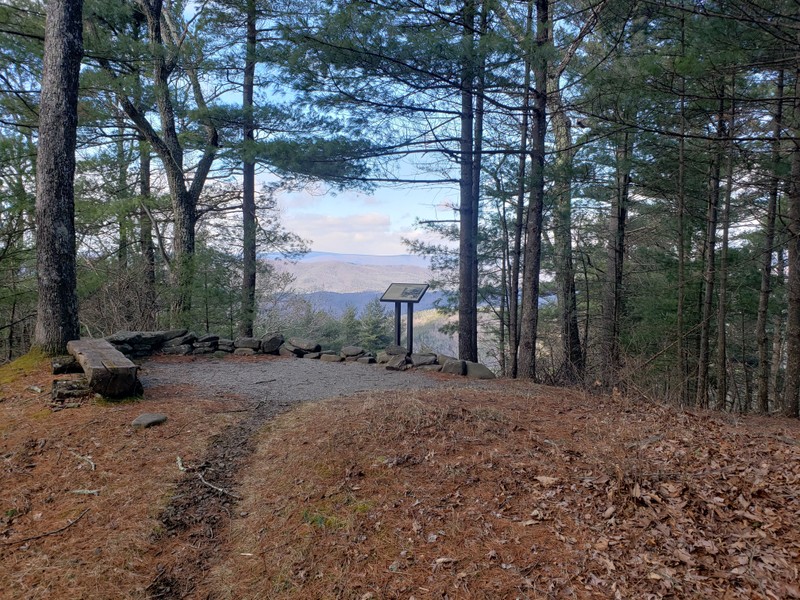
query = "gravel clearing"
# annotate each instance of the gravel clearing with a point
(283, 381)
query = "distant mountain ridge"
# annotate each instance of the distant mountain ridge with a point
(352, 273)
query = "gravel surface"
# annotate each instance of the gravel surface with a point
(288, 381)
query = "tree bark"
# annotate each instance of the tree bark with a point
(468, 216)
(615, 254)
(572, 365)
(248, 180)
(57, 318)
(533, 229)
(766, 260)
(791, 399)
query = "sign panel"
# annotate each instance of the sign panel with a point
(405, 292)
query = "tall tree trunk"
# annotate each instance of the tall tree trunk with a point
(683, 342)
(776, 369)
(766, 260)
(248, 180)
(722, 301)
(519, 222)
(615, 255)
(150, 316)
(709, 269)
(468, 248)
(791, 399)
(57, 318)
(572, 360)
(533, 247)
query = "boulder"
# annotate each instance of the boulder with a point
(289, 347)
(312, 355)
(247, 342)
(395, 350)
(63, 365)
(443, 358)
(419, 360)
(271, 343)
(478, 371)
(171, 334)
(202, 350)
(181, 340)
(304, 344)
(181, 350)
(244, 352)
(383, 357)
(208, 339)
(397, 363)
(331, 358)
(455, 367)
(431, 368)
(366, 360)
(221, 353)
(286, 352)
(348, 351)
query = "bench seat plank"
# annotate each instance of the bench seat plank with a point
(107, 370)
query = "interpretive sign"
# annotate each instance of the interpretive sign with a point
(410, 293)
(405, 292)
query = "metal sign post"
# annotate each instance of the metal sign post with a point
(410, 293)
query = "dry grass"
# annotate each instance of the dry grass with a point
(518, 492)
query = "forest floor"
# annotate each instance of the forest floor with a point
(499, 490)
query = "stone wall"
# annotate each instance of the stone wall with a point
(181, 342)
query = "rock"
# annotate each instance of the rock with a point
(107, 370)
(66, 389)
(203, 350)
(443, 358)
(171, 334)
(289, 347)
(226, 347)
(247, 342)
(431, 368)
(286, 352)
(397, 363)
(208, 339)
(419, 360)
(181, 340)
(454, 367)
(271, 343)
(395, 350)
(331, 358)
(244, 352)
(366, 360)
(383, 357)
(199, 344)
(125, 348)
(352, 351)
(478, 371)
(221, 354)
(63, 365)
(304, 344)
(148, 420)
(181, 350)
(312, 355)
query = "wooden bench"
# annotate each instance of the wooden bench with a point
(107, 370)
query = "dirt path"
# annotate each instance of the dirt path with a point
(205, 499)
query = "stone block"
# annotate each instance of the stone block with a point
(181, 350)
(419, 360)
(331, 358)
(304, 344)
(271, 343)
(247, 342)
(352, 351)
(397, 363)
(107, 370)
(455, 367)
(244, 352)
(182, 340)
(478, 371)
(395, 350)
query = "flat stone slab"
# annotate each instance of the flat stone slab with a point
(148, 420)
(107, 370)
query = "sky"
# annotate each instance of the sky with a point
(352, 222)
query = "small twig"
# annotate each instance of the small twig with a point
(86, 458)
(86, 492)
(219, 489)
(41, 535)
(181, 467)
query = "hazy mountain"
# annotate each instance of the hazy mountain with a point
(350, 273)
